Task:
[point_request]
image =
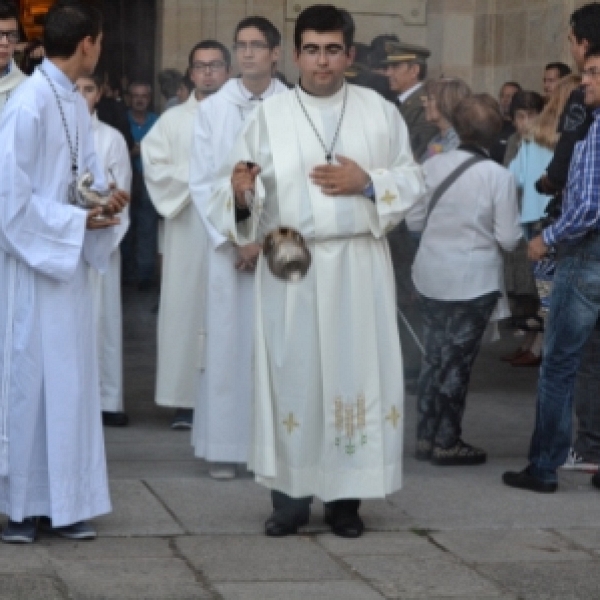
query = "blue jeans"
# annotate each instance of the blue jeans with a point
(574, 311)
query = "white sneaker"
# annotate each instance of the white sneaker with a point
(576, 462)
(222, 471)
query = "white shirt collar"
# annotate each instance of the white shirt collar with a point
(404, 95)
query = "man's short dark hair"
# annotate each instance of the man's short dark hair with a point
(265, 26)
(140, 83)
(593, 52)
(8, 10)
(525, 100)
(169, 81)
(211, 45)
(585, 23)
(68, 22)
(324, 18)
(563, 70)
(512, 84)
(477, 120)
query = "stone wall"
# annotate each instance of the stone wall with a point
(485, 42)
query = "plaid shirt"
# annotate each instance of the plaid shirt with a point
(581, 201)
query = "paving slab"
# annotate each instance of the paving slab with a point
(163, 469)
(105, 548)
(331, 590)
(408, 577)
(206, 506)
(258, 558)
(585, 538)
(401, 544)
(547, 581)
(21, 558)
(20, 587)
(491, 546)
(136, 511)
(134, 578)
(149, 451)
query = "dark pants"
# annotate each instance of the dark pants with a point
(293, 508)
(573, 318)
(139, 246)
(587, 400)
(452, 333)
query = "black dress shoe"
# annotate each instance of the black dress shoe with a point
(343, 518)
(114, 419)
(524, 480)
(282, 523)
(596, 480)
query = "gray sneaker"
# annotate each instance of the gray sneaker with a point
(23, 532)
(576, 462)
(184, 419)
(81, 530)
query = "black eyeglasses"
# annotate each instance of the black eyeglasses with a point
(254, 45)
(213, 65)
(12, 37)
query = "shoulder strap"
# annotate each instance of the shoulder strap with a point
(450, 179)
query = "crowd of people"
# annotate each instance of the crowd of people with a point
(291, 228)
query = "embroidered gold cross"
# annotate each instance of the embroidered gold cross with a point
(230, 236)
(388, 197)
(291, 423)
(229, 204)
(393, 417)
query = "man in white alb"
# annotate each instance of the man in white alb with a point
(222, 417)
(166, 159)
(10, 75)
(332, 161)
(52, 458)
(113, 159)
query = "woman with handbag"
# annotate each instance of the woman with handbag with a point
(467, 217)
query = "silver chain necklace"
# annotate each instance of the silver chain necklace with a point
(73, 148)
(328, 152)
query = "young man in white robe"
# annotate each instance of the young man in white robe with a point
(222, 417)
(166, 153)
(52, 458)
(10, 75)
(332, 161)
(113, 159)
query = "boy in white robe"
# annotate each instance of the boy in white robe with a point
(10, 75)
(332, 161)
(52, 458)
(222, 417)
(113, 159)
(166, 152)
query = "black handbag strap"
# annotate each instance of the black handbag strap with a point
(450, 179)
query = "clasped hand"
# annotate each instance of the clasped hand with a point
(243, 180)
(345, 179)
(102, 217)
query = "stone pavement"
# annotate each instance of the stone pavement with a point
(450, 533)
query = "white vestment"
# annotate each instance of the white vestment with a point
(9, 82)
(166, 158)
(329, 396)
(222, 417)
(113, 157)
(52, 459)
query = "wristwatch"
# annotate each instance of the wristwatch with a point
(369, 190)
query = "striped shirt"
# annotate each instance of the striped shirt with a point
(581, 201)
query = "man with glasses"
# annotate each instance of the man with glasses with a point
(222, 418)
(10, 75)
(332, 161)
(571, 356)
(166, 159)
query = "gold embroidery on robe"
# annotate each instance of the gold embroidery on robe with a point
(388, 197)
(393, 417)
(290, 423)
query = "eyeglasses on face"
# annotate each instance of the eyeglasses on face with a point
(592, 72)
(254, 45)
(12, 37)
(213, 65)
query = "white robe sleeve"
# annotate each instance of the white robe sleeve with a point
(203, 169)
(98, 243)
(35, 228)
(219, 206)
(167, 182)
(398, 185)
